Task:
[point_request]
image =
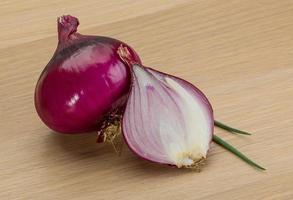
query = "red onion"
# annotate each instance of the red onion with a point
(83, 82)
(167, 119)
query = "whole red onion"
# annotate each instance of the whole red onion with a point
(84, 80)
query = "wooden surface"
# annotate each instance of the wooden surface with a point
(240, 53)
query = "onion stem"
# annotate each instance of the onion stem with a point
(230, 129)
(233, 150)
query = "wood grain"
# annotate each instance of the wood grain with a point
(240, 53)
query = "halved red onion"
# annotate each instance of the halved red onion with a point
(167, 120)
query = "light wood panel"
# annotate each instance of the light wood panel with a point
(240, 53)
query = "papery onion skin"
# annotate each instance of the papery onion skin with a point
(84, 80)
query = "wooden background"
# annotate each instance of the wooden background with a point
(240, 53)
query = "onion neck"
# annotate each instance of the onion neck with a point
(67, 27)
(126, 56)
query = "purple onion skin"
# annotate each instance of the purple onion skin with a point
(83, 82)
